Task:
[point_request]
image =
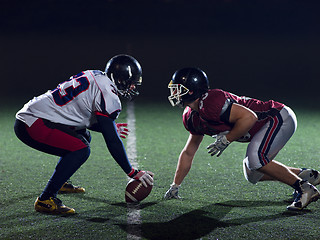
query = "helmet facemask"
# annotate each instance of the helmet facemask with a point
(176, 93)
(128, 93)
(127, 88)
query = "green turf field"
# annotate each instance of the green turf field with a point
(217, 202)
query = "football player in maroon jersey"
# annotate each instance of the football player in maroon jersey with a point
(266, 125)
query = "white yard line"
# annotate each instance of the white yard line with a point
(133, 210)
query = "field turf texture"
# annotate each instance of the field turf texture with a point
(218, 203)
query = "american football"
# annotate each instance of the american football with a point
(136, 192)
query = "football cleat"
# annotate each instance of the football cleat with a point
(52, 206)
(308, 194)
(68, 187)
(310, 175)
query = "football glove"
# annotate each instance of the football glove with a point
(173, 192)
(146, 177)
(219, 145)
(122, 130)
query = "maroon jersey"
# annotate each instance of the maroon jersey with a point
(214, 113)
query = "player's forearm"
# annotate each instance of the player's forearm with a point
(243, 120)
(241, 128)
(114, 143)
(186, 157)
(118, 153)
(183, 167)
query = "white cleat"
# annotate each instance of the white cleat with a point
(308, 194)
(310, 175)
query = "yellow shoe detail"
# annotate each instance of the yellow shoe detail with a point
(52, 206)
(70, 188)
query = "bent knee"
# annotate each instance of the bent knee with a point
(86, 152)
(251, 175)
(252, 179)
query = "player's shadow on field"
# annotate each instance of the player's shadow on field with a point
(200, 222)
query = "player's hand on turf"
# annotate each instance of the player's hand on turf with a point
(122, 130)
(219, 145)
(146, 177)
(173, 192)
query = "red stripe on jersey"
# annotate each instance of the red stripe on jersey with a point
(101, 114)
(113, 115)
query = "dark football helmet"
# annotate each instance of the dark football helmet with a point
(187, 85)
(125, 71)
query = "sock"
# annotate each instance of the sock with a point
(297, 185)
(65, 168)
(302, 169)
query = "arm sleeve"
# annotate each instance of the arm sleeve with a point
(113, 141)
(225, 111)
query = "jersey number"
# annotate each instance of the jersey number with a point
(67, 91)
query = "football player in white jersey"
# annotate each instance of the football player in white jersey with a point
(57, 123)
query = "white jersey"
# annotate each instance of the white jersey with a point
(75, 101)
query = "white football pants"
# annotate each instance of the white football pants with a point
(266, 143)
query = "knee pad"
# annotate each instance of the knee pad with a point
(252, 176)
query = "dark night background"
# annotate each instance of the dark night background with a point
(262, 49)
